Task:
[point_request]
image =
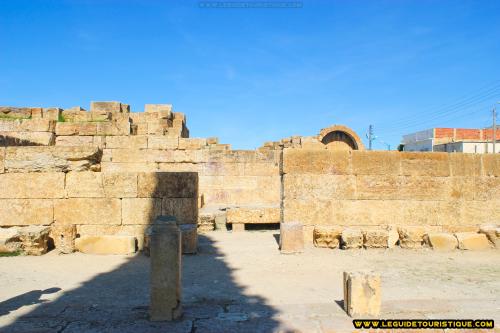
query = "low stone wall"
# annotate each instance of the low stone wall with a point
(56, 186)
(445, 192)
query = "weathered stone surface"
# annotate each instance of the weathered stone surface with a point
(291, 237)
(10, 241)
(238, 227)
(112, 106)
(27, 125)
(185, 210)
(192, 143)
(492, 231)
(375, 238)
(120, 184)
(189, 236)
(362, 294)
(319, 187)
(2, 160)
(168, 184)
(27, 138)
(327, 236)
(162, 142)
(113, 127)
(393, 239)
(465, 165)
(166, 270)
(472, 241)
(140, 210)
(425, 164)
(325, 161)
(127, 142)
(64, 237)
(84, 185)
(411, 237)
(376, 163)
(74, 141)
(47, 159)
(26, 212)
(491, 164)
(441, 241)
(106, 244)
(207, 217)
(47, 185)
(69, 128)
(129, 167)
(351, 238)
(253, 214)
(87, 211)
(34, 239)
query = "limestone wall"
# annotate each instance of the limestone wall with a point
(57, 186)
(449, 192)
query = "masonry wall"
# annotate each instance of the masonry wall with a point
(449, 192)
(57, 185)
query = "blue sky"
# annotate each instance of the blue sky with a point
(255, 75)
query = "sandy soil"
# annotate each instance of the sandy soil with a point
(241, 283)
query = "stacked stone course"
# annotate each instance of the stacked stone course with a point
(106, 170)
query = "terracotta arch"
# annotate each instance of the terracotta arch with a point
(340, 137)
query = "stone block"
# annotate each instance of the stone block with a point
(441, 241)
(87, 211)
(27, 138)
(375, 238)
(26, 212)
(69, 128)
(74, 141)
(162, 142)
(486, 188)
(192, 143)
(492, 231)
(127, 142)
(425, 164)
(393, 239)
(112, 106)
(2, 160)
(465, 165)
(51, 159)
(128, 167)
(362, 294)
(27, 125)
(149, 108)
(166, 272)
(300, 161)
(84, 185)
(472, 241)
(411, 237)
(189, 236)
(140, 210)
(34, 239)
(141, 155)
(238, 227)
(168, 184)
(253, 214)
(327, 236)
(10, 241)
(106, 244)
(185, 210)
(291, 237)
(491, 164)
(351, 239)
(378, 187)
(376, 163)
(319, 187)
(51, 113)
(120, 184)
(206, 219)
(64, 237)
(425, 188)
(47, 185)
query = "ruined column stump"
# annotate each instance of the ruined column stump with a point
(165, 287)
(64, 237)
(362, 295)
(189, 238)
(291, 237)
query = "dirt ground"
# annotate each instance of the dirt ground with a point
(239, 282)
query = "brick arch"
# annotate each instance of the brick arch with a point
(340, 137)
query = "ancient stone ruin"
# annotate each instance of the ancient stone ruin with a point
(93, 181)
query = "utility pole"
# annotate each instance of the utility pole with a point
(370, 137)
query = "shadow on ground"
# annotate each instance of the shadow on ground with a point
(117, 301)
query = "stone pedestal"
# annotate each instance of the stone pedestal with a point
(64, 237)
(189, 237)
(238, 227)
(362, 295)
(165, 287)
(291, 237)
